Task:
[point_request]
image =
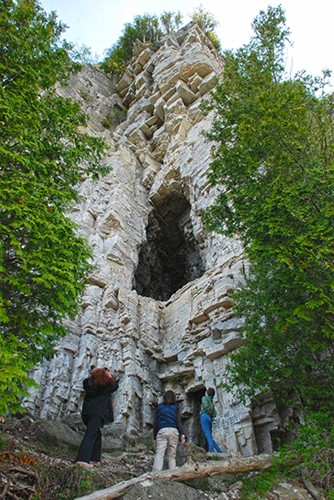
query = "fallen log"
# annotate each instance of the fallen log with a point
(186, 472)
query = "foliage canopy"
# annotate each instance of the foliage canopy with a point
(44, 263)
(273, 158)
(151, 28)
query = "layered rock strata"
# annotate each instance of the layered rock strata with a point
(158, 309)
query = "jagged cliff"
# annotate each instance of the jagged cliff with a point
(158, 309)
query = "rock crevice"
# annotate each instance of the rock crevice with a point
(158, 309)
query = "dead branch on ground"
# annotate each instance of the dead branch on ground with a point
(186, 472)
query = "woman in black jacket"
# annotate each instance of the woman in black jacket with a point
(96, 410)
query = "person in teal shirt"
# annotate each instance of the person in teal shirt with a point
(207, 414)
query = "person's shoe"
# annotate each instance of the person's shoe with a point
(96, 464)
(84, 464)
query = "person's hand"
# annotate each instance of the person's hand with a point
(183, 439)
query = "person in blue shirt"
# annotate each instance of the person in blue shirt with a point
(167, 432)
(207, 414)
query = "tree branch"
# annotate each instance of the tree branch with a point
(186, 472)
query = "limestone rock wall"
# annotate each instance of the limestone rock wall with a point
(158, 308)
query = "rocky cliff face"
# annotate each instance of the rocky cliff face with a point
(158, 309)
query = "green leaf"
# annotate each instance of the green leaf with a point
(273, 157)
(44, 264)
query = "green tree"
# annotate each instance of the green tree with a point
(205, 20)
(151, 28)
(273, 157)
(83, 55)
(44, 263)
(170, 21)
(208, 23)
(145, 28)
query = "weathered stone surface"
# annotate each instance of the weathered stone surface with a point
(164, 490)
(56, 432)
(158, 309)
(287, 491)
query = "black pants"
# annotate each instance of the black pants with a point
(91, 444)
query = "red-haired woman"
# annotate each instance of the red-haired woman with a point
(96, 410)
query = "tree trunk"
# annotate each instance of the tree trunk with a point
(186, 472)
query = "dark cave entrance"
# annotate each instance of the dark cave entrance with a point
(170, 258)
(194, 431)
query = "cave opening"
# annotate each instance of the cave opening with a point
(170, 258)
(194, 430)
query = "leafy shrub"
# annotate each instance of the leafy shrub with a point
(260, 484)
(311, 454)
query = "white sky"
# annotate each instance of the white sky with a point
(99, 23)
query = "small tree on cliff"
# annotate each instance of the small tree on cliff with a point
(44, 264)
(151, 28)
(274, 160)
(145, 28)
(208, 23)
(170, 21)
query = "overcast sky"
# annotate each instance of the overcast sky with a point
(99, 23)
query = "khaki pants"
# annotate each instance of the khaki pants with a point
(166, 442)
